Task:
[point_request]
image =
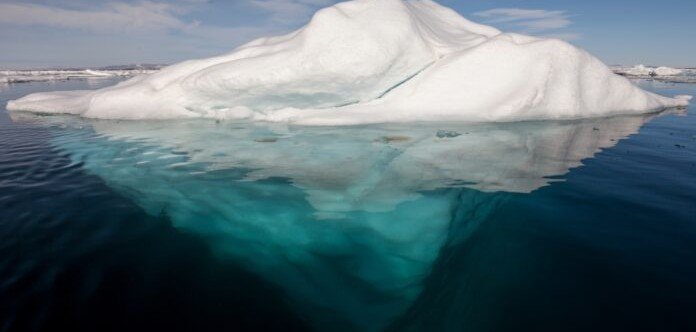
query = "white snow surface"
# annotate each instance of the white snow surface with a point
(367, 61)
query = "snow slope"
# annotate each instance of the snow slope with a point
(367, 61)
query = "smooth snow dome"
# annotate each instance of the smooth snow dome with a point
(368, 61)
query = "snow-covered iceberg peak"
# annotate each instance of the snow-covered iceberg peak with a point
(373, 61)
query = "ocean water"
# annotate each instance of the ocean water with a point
(204, 225)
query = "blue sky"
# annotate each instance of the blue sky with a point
(77, 33)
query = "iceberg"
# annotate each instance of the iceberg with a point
(367, 61)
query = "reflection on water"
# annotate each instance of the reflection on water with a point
(347, 220)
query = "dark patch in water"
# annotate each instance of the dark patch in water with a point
(266, 140)
(393, 139)
(447, 134)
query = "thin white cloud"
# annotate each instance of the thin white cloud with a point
(144, 18)
(290, 11)
(156, 17)
(161, 31)
(531, 20)
(113, 17)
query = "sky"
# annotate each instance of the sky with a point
(88, 33)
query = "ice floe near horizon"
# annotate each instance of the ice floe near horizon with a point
(662, 73)
(368, 61)
(642, 70)
(50, 75)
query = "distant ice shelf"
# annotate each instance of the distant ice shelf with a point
(665, 74)
(28, 76)
(366, 61)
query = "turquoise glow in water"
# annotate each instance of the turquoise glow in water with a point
(530, 225)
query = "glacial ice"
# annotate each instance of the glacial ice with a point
(366, 61)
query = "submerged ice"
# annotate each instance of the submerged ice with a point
(367, 61)
(347, 220)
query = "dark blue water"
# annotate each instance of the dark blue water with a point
(198, 225)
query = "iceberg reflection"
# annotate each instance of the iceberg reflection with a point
(348, 220)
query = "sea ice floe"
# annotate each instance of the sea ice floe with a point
(26, 76)
(642, 70)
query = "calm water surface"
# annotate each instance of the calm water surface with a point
(204, 225)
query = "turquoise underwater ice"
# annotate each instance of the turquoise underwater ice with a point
(348, 221)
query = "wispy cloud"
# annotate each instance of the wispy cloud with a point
(290, 11)
(164, 31)
(112, 17)
(533, 21)
(156, 17)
